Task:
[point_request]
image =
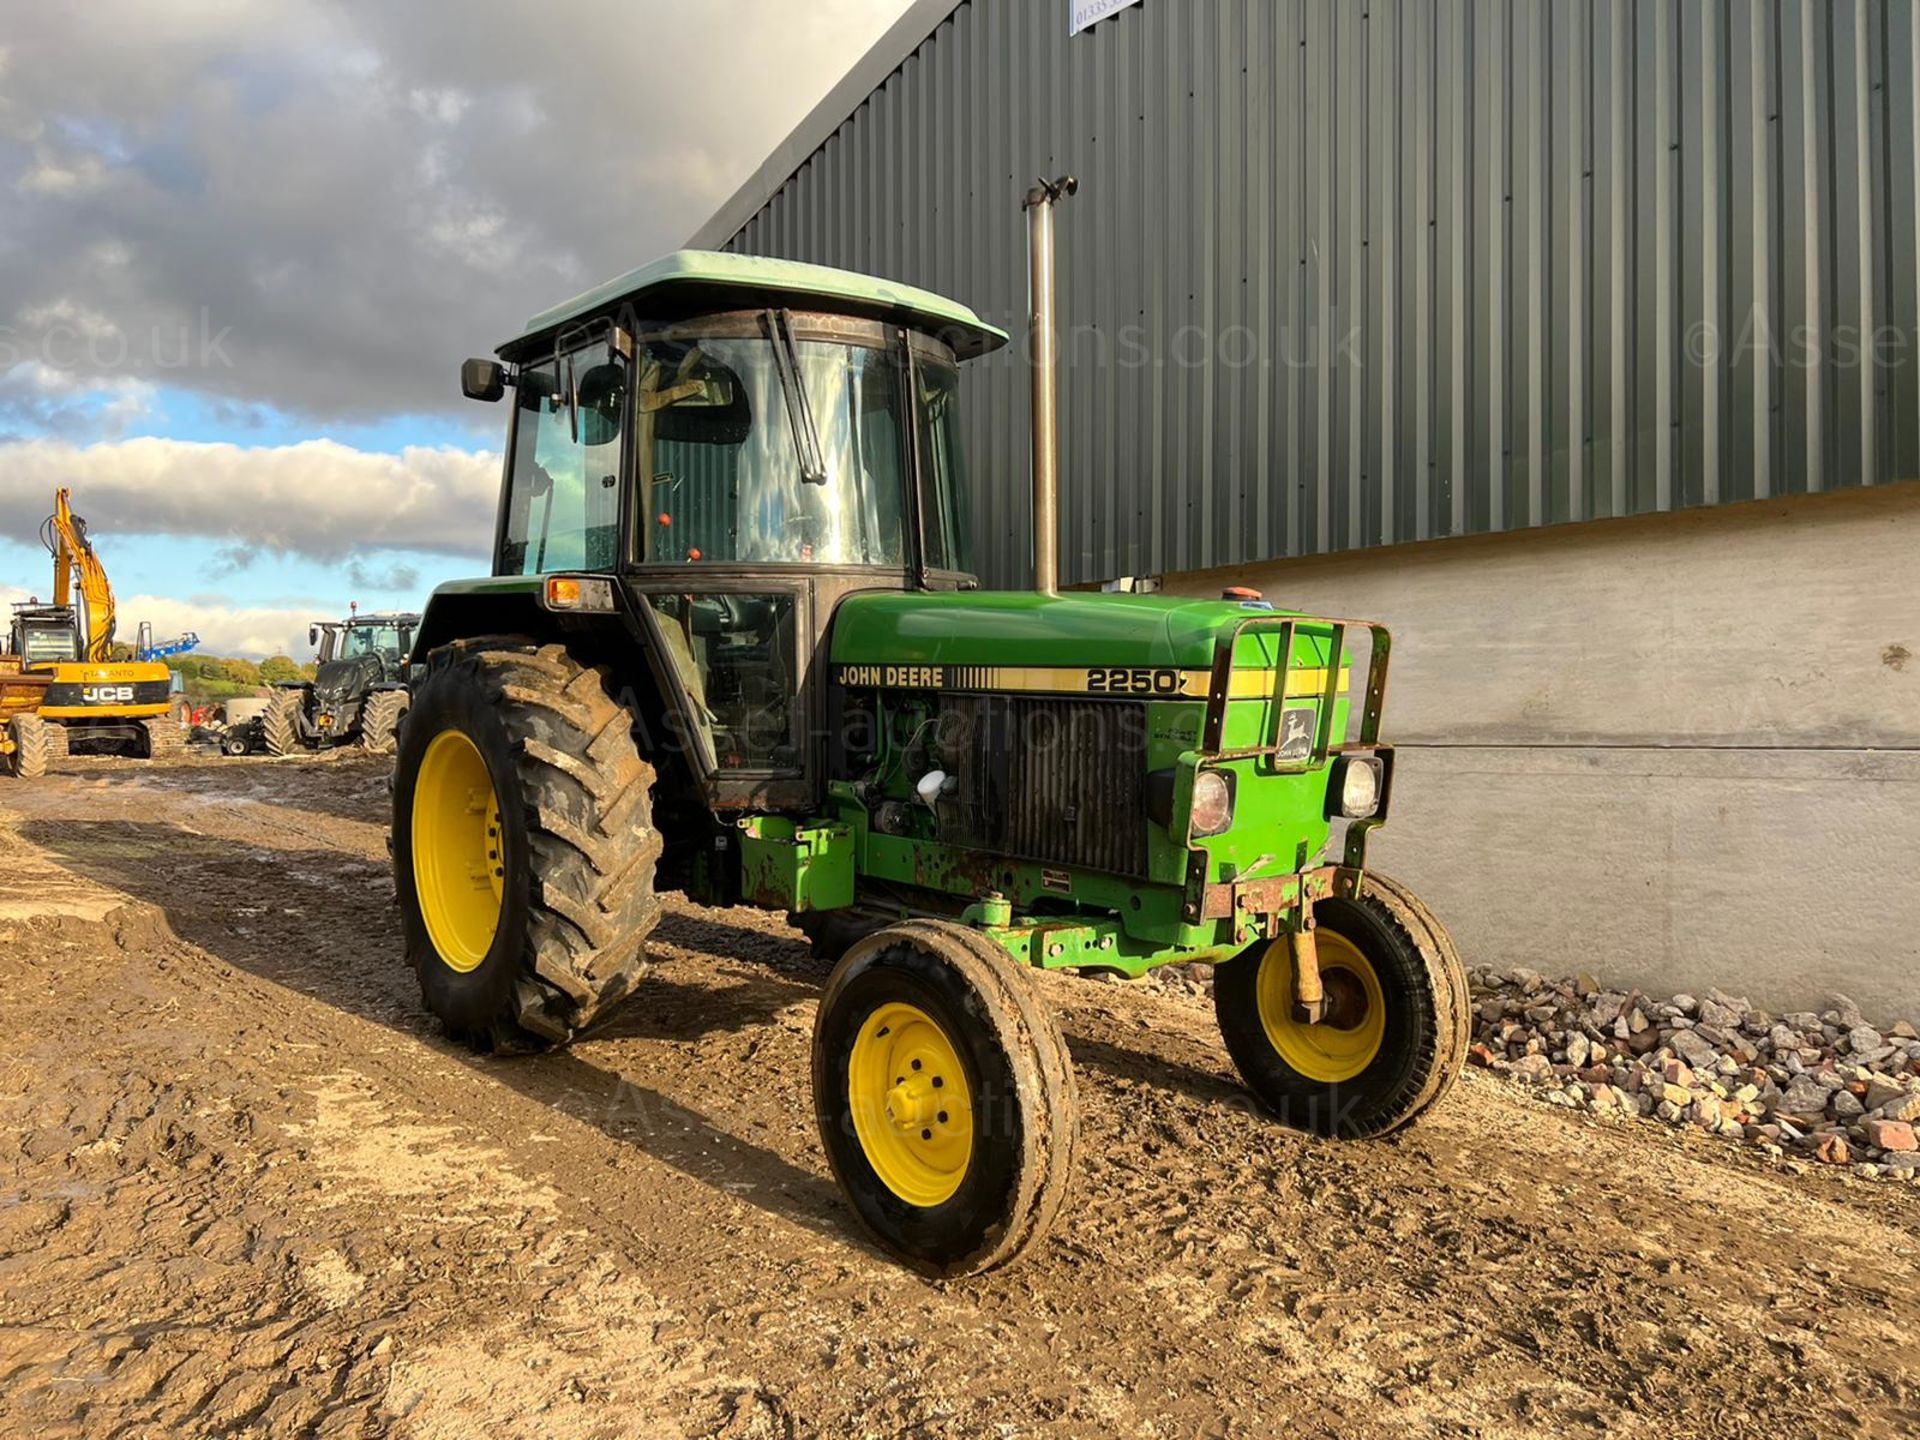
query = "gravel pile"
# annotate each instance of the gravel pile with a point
(1826, 1086)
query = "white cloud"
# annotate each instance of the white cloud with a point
(358, 197)
(69, 175)
(247, 631)
(38, 397)
(395, 579)
(250, 632)
(66, 312)
(318, 498)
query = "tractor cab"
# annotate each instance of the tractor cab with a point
(386, 638)
(44, 635)
(745, 443)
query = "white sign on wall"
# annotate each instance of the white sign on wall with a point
(1092, 12)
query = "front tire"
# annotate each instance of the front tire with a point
(380, 721)
(523, 843)
(30, 746)
(944, 1096)
(280, 722)
(1395, 1038)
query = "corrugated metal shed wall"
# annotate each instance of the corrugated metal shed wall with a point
(1355, 272)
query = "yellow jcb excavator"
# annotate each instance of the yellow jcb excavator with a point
(61, 690)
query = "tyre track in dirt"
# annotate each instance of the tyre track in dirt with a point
(246, 1186)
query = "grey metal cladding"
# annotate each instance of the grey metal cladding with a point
(1355, 272)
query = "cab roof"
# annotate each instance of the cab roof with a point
(695, 282)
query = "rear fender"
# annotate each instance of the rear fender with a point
(626, 641)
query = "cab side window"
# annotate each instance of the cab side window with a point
(563, 494)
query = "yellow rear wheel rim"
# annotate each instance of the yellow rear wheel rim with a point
(1345, 1043)
(912, 1107)
(458, 867)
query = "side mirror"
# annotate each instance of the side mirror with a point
(603, 403)
(483, 380)
(313, 634)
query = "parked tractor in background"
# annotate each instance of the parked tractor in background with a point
(731, 646)
(357, 695)
(61, 691)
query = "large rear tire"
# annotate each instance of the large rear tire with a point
(280, 722)
(380, 721)
(523, 843)
(30, 746)
(944, 1096)
(1395, 1037)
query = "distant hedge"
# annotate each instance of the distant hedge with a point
(218, 677)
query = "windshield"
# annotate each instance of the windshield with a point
(720, 455)
(371, 640)
(49, 642)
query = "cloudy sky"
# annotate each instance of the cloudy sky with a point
(244, 245)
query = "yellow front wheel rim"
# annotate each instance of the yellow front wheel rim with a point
(459, 871)
(912, 1106)
(1346, 1042)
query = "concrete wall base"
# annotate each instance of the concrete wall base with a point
(1674, 751)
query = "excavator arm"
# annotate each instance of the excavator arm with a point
(74, 561)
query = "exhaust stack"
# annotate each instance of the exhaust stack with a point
(1044, 355)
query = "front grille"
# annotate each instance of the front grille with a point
(1061, 782)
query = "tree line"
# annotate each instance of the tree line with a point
(216, 677)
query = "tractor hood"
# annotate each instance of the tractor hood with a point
(346, 679)
(1019, 628)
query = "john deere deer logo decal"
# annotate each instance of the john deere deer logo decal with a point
(1296, 733)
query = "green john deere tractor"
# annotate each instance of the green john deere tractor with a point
(731, 647)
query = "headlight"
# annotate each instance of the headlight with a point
(1212, 809)
(1359, 787)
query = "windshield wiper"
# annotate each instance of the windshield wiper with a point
(786, 359)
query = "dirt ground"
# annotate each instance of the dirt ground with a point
(245, 1188)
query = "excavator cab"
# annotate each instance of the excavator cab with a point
(44, 635)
